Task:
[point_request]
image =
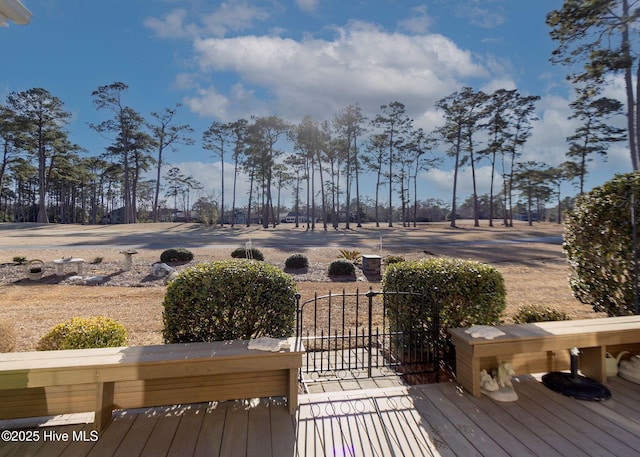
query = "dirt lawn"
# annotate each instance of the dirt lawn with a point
(530, 259)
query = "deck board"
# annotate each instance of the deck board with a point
(572, 440)
(402, 423)
(161, 437)
(136, 438)
(526, 414)
(430, 420)
(186, 436)
(210, 438)
(588, 427)
(611, 431)
(490, 423)
(112, 438)
(259, 433)
(309, 440)
(234, 436)
(283, 442)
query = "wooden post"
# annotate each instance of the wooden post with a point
(104, 404)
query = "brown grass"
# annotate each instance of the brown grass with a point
(534, 273)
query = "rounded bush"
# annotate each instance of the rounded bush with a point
(7, 336)
(243, 253)
(391, 259)
(176, 255)
(297, 261)
(467, 293)
(538, 313)
(598, 241)
(464, 293)
(342, 267)
(228, 300)
(84, 333)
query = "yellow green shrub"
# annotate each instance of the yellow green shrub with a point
(84, 333)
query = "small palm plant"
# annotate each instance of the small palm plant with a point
(351, 255)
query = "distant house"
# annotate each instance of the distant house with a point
(524, 216)
(302, 217)
(115, 216)
(239, 217)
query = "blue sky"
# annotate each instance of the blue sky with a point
(232, 59)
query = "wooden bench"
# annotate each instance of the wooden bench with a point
(544, 347)
(34, 384)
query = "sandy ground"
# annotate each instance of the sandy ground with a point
(530, 259)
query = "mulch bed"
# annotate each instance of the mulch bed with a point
(140, 274)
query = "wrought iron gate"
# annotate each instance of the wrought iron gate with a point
(353, 335)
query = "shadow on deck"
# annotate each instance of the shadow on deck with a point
(427, 420)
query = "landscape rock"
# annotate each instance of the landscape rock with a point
(160, 270)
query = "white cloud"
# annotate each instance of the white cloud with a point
(482, 13)
(233, 16)
(172, 25)
(361, 64)
(419, 22)
(615, 88)
(209, 102)
(307, 5)
(240, 102)
(498, 83)
(548, 142)
(439, 182)
(185, 81)
(228, 17)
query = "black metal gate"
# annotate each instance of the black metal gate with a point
(360, 334)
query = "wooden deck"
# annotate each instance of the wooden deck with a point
(428, 420)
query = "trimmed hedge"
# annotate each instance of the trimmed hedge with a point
(468, 292)
(297, 261)
(229, 300)
(538, 313)
(176, 255)
(84, 333)
(598, 241)
(342, 267)
(241, 253)
(391, 259)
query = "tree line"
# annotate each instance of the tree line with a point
(45, 177)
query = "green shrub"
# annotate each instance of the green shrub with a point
(244, 253)
(351, 255)
(297, 261)
(7, 336)
(468, 293)
(176, 255)
(341, 268)
(598, 241)
(228, 300)
(97, 260)
(391, 259)
(538, 313)
(84, 333)
(20, 259)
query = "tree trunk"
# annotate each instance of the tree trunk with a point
(632, 110)
(42, 217)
